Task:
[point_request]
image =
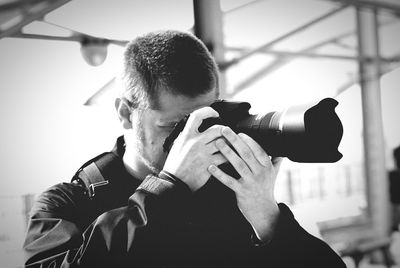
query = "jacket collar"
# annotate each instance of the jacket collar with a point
(119, 147)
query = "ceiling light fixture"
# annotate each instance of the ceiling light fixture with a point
(94, 51)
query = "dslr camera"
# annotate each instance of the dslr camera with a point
(306, 134)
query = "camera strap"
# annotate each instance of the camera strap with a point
(93, 173)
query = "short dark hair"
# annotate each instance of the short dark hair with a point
(176, 61)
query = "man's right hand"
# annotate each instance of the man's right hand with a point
(193, 152)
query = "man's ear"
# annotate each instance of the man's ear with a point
(124, 112)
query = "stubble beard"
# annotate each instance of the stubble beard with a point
(146, 159)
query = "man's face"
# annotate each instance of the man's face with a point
(150, 127)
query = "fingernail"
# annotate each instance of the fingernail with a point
(226, 131)
(212, 168)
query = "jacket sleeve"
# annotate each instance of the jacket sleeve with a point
(292, 246)
(55, 239)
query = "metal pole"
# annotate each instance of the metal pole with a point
(208, 27)
(374, 146)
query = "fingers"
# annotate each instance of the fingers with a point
(258, 152)
(244, 151)
(224, 178)
(238, 163)
(197, 117)
(218, 159)
(212, 133)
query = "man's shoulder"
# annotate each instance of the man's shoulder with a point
(98, 185)
(72, 194)
(64, 201)
(60, 196)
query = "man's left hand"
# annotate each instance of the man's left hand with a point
(255, 189)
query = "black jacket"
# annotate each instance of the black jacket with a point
(158, 223)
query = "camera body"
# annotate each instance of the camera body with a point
(307, 134)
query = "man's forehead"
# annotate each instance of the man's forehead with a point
(173, 107)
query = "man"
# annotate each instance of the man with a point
(141, 207)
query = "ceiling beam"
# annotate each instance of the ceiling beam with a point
(32, 16)
(281, 38)
(19, 4)
(302, 54)
(280, 61)
(371, 4)
(74, 37)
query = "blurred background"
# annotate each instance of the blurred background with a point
(59, 60)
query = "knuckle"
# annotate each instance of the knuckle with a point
(222, 145)
(220, 174)
(266, 162)
(230, 183)
(261, 155)
(246, 154)
(219, 159)
(232, 137)
(215, 130)
(211, 147)
(211, 133)
(241, 166)
(259, 152)
(216, 127)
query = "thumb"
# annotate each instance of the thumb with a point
(197, 117)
